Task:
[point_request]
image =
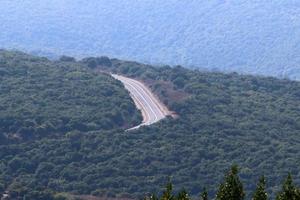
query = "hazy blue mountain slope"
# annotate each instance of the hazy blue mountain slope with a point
(249, 36)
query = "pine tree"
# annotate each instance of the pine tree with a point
(260, 192)
(298, 193)
(204, 195)
(152, 197)
(232, 188)
(289, 191)
(183, 195)
(167, 194)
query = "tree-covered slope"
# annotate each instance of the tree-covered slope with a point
(249, 36)
(252, 121)
(223, 119)
(41, 98)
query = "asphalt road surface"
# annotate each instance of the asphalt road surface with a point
(152, 109)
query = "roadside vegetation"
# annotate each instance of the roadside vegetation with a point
(223, 119)
(40, 98)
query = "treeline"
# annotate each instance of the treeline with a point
(232, 189)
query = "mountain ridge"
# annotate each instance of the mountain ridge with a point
(249, 37)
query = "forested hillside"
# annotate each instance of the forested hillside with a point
(248, 36)
(223, 119)
(40, 98)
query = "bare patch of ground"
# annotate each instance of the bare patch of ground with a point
(166, 91)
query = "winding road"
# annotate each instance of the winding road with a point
(152, 109)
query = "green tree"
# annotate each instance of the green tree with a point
(260, 192)
(298, 193)
(183, 195)
(204, 195)
(67, 59)
(103, 61)
(153, 197)
(232, 188)
(92, 63)
(167, 194)
(288, 191)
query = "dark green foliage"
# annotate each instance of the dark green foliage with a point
(99, 61)
(167, 193)
(154, 197)
(260, 192)
(182, 195)
(67, 59)
(41, 98)
(232, 187)
(18, 191)
(92, 63)
(223, 119)
(288, 191)
(204, 195)
(297, 195)
(104, 61)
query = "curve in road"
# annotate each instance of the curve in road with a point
(152, 109)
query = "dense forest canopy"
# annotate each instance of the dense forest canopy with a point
(249, 36)
(42, 98)
(223, 119)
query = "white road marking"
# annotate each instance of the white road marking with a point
(152, 109)
(141, 104)
(146, 100)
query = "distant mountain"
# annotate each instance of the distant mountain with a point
(247, 36)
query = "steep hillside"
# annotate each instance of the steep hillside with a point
(248, 36)
(40, 98)
(223, 119)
